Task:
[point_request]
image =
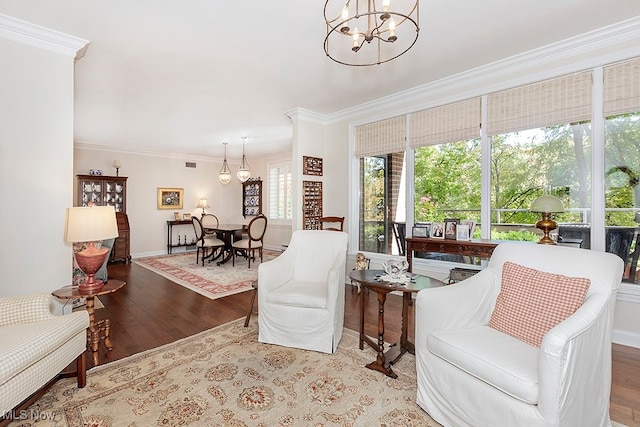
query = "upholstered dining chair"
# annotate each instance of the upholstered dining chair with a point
(301, 292)
(253, 242)
(207, 245)
(209, 223)
(333, 223)
(526, 341)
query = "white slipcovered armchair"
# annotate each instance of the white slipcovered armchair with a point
(36, 345)
(301, 292)
(470, 374)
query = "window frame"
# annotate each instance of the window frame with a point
(287, 165)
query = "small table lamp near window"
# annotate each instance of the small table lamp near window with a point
(89, 224)
(547, 205)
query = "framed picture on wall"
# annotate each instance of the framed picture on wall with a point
(170, 198)
(311, 165)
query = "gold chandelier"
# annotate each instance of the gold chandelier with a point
(388, 30)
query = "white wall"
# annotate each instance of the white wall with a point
(36, 152)
(146, 172)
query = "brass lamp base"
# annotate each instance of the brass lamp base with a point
(546, 225)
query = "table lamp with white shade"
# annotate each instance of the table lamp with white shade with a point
(90, 224)
(547, 205)
(202, 204)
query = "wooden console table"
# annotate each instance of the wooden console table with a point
(170, 244)
(482, 248)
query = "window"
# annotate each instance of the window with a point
(622, 190)
(382, 204)
(526, 164)
(541, 138)
(280, 191)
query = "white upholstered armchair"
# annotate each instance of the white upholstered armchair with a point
(301, 292)
(473, 374)
(36, 345)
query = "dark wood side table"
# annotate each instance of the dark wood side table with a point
(367, 278)
(98, 331)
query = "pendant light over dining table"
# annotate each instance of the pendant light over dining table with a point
(225, 172)
(244, 172)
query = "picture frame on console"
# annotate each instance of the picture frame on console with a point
(462, 232)
(421, 230)
(437, 230)
(471, 224)
(450, 227)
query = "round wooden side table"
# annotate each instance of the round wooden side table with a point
(98, 331)
(370, 280)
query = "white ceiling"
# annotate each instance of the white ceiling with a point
(183, 77)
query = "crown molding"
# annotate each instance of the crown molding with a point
(603, 46)
(43, 38)
(128, 150)
(307, 116)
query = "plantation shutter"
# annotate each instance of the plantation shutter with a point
(564, 99)
(383, 137)
(622, 87)
(458, 121)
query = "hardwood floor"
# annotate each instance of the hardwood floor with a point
(151, 311)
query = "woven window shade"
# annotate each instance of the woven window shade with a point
(622, 87)
(458, 121)
(383, 137)
(564, 99)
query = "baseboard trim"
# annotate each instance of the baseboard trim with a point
(626, 338)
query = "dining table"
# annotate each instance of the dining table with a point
(226, 232)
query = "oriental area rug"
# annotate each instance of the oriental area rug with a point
(210, 280)
(224, 377)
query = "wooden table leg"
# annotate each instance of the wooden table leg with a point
(380, 364)
(253, 300)
(107, 334)
(363, 303)
(405, 345)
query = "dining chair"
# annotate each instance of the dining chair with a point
(255, 234)
(209, 224)
(338, 220)
(204, 243)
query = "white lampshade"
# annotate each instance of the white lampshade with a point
(547, 204)
(203, 203)
(88, 224)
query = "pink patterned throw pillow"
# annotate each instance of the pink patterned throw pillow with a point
(531, 302)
